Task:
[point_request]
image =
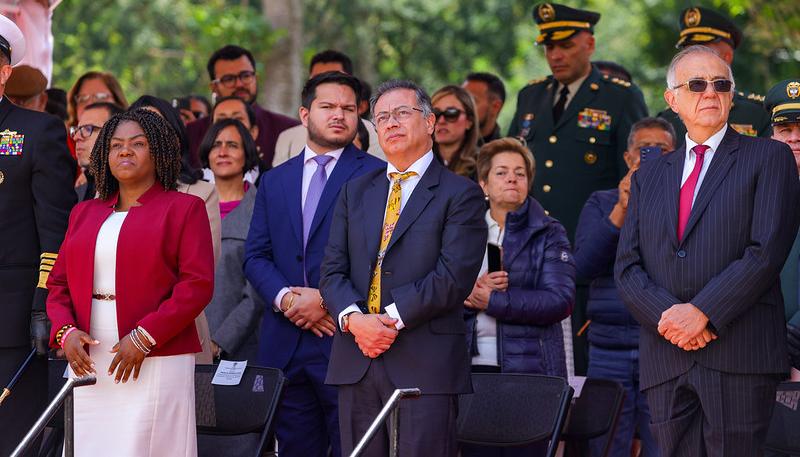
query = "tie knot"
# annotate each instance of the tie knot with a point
(564, 91)
(395, 176)
(322, 160)
(700, 149)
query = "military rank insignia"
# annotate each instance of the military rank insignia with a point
(11, 143)
(745, 129)
(594, 119)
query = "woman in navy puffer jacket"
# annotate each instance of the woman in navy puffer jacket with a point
(514, 316)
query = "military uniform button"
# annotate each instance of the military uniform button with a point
(546, 213)
(590, 158)
(553, 139)
(2, 177)
(548, 163)
(592, 140)
(546, 188)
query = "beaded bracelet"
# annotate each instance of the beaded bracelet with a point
(65, 335)
(141, 331)
(60, 333)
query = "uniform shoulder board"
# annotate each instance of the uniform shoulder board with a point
(620, 82)
(537, 81)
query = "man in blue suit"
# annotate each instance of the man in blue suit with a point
(707, 231)
(405, 247)
(288, 234)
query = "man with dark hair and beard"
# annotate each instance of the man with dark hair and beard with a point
(282, 261)
(232, 70)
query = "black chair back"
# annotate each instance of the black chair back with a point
(248, 407)
(513, 410)
(784, 428)
(594, 413)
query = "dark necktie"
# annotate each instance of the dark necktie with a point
(558, 108)
(689, 187)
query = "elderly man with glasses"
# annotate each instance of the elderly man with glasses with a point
(232, 70)
(708, 229)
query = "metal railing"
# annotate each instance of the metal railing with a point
(64, 396)
(389, 410)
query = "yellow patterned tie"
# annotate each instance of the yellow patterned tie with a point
(392, 215)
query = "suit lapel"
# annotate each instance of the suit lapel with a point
(349, 162)
(723, 159)
(293, 186)
(373, 207)
(581, 99)
(543, 122)
(420, 198)
(673, 175)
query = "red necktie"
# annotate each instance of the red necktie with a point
(687, 191)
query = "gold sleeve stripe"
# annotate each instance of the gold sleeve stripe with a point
(46, 268)
(48, 262)
(43, 275)
(49, 255)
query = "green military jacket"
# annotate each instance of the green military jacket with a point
(747, 116)
(582, 152)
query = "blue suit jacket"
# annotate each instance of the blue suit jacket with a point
(431, 263)
(742, 224)
(274, 256)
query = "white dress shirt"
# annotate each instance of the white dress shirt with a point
(691, 158)
(309, 168)
(407, 187)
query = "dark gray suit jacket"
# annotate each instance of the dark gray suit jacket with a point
(740, 230)
(431, 264)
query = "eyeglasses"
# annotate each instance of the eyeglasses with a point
(450, 114)
(83, 131)
(400, 114)
(700, 85)
(85, 99)
(229, 81)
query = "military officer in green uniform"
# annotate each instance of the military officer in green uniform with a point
(783, 103)
(702, 26)
(575, 121)
(36, 196)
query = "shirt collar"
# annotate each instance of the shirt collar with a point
(574, 86)
(420, 166)
(712, 143)
(309, 153)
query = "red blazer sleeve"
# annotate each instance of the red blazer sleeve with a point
(60, 309)
(195, 284)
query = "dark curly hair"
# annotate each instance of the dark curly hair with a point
(164, 150)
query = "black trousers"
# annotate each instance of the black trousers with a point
(28, 399)
(427, 424)
(707, 413)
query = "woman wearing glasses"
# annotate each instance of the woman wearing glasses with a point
(457, 131)
(125, 290)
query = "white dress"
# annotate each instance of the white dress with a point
(152, 416)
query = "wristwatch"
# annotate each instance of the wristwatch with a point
(346, 322)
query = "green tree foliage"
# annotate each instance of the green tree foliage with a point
(161, 46)
(158, 47)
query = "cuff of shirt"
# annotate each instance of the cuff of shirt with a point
(391, 310)
(276, 305)
(350, 309)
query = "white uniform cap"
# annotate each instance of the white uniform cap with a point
(12, 42)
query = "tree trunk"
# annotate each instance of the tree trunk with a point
(283, 76)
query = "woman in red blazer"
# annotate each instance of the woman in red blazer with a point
(135, 269)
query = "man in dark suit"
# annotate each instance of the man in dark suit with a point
(36, 196)
(283, 251)
(708, 229)
(405, 247)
